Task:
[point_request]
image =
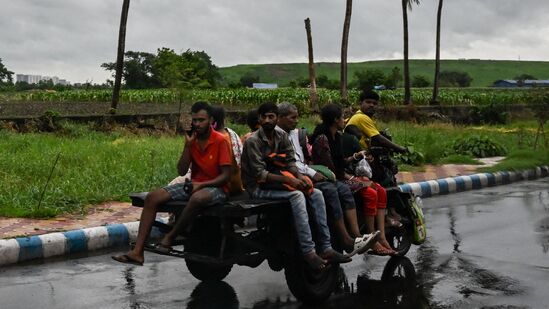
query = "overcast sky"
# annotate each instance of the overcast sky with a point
(70, 39)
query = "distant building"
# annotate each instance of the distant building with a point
(527, 83)
(35, 79)
(536, 83)
(505, 83)
(264, 86)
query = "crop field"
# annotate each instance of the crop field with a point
(299, 96)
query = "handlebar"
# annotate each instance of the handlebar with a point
(378, 150)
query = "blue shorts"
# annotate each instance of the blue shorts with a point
(177, 193)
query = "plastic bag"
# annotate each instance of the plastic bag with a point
(418, 220)
(363, 168)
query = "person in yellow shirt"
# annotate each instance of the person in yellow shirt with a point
(363, 126)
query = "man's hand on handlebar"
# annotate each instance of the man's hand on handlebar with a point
(401, 149)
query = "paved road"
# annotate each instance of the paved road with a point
(486, 248)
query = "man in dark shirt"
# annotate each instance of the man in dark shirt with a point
(337, 195)
(257, 174)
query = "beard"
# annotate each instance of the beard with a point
(268, 126)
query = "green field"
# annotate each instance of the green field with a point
(101, 166)
(483, 72)
(245, 97)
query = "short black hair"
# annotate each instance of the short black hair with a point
(267, 107)
(201, 105)
(252, 119)
(369, 94)
(329, 113)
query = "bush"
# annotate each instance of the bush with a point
(454, 79)
(412, 157)
(489, 114)
(367, 79)
(478, 146)
(420, 81)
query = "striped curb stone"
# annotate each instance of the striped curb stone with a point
(15, 250)
(476, 181)
(22, 249)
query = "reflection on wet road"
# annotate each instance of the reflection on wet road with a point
(485, 249)
(396, 288)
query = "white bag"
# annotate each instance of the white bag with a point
(363, 168)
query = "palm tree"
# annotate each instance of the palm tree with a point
(434, 99)
(120, 56)
(406, 4)
(344, 43)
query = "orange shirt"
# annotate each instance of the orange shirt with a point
(206, 164)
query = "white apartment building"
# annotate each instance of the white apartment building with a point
(35, 79)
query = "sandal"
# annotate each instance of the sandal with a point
(126, 259)
(380, 250)
(159, 248)
(362, 244)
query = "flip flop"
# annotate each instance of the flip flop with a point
(380, 250)
(378, 253)
(126, 259)
(159, 248)
(362, 244)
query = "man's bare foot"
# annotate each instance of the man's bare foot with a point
(315, 262)
(383, 241)
(333, 256)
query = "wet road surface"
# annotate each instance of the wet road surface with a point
(485, 249)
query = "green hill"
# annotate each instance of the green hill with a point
(483, 72)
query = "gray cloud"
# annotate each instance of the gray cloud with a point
(71, 39)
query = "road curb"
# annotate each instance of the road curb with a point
(471, 182)
(16, 250)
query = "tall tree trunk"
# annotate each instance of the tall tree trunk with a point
(120, 56)
(344, 44)
(434, 99)
(407, 95)
(312, 74)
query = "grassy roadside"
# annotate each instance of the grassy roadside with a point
(98, 166)
(92, 167)
(436, 142)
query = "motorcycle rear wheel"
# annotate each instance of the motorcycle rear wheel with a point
(399, 239)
